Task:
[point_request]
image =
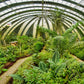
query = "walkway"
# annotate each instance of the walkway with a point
(4, 78)
(77, 58)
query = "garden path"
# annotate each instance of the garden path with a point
(77, 58)
(4, 78)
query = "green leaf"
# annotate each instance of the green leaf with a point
(4, 70)
(55, 57)
(18, 77)
(42, 66)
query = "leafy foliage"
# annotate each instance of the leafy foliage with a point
(78, 50)
(26, 46)
(11, 37)
(49, 32)
(57, 19)
(38, 46)
(42, 66)
(55, 57)
(58, 43)
(60, 72)
(70, 29)
(46, 66)
(42, 56)
(66, 41)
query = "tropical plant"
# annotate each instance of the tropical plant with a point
(20, 79)
(78, 50)
(82, 39)
(79, 44)
(59, 71)
(0, 41)
(11, 37)
(41, 74)
(42, 56)
(55, 57)
(22, 40)
(66, 41)
(57, 19)
(42, 66)
(68, 31)
(58, 43)
(47, 32)
(38, 46)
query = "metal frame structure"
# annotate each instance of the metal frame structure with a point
(26, 13)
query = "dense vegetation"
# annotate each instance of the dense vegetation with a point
(54, 70)
(78, 50)
(26, 46)
(51, 60)
(53, 65)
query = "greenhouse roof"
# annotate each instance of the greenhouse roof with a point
(25, 13)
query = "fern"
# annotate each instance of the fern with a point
(18, 77)
(42, 66)
(55, 57)
(59, 67)
(79, 44)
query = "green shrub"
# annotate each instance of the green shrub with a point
(80, 54)
(2, 54)
(55, 57)
(30, 51)
(11, 37)
(1, 68)
(78, 51)
(42, 31)
(11, 57)
(42, 56)
(38, 46)
(49, 44)
(59, 43)
(82, 39)
(42, 66)
(61, 72)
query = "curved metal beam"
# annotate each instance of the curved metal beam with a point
(40, 2)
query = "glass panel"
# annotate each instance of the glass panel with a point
(2, 4)
(82, 2)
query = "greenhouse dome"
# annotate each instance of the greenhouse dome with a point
(44, 33)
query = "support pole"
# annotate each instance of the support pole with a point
(42, 11)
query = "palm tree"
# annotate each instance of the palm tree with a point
(56, 17)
